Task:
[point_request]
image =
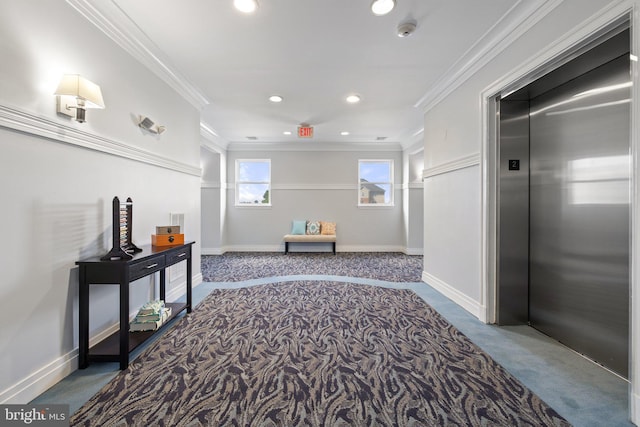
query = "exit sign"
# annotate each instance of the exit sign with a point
(305, 131)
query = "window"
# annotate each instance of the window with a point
(375, 179)
(253, 182)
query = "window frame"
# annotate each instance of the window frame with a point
(238, 183)
(390, 183)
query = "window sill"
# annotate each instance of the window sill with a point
(376, 206)
(251, 206)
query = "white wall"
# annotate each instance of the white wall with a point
(59, 177)
(314, 185)
(413, 200)
(212, 191)
(454, 163)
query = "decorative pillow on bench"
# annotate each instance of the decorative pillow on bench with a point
(313, 227)
(327, 228)
(299, 227)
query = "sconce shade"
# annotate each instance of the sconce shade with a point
(81, 88)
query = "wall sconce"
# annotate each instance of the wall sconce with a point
(75, 94)
(147, 124)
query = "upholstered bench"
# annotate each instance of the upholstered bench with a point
(311, 232)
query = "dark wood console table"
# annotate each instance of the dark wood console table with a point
(94, 271)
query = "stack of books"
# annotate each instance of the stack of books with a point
(150, 316)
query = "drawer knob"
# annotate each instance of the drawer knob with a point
(171, 239)
(151, 266)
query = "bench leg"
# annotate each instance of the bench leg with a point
(334, 248)
(286, 247)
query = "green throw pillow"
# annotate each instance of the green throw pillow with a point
(299, 227)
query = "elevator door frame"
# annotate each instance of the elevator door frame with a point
(490, 156)
(564, 49)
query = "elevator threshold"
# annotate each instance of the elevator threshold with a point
(577, 353)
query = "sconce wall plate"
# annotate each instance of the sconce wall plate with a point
(66, 105)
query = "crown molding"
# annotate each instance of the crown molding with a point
(211, 140)
(13, 118)
(415, 148)
(555, 53)
(521, 17)
(117, 25)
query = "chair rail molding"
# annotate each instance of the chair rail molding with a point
(16, 119)
(452, 165)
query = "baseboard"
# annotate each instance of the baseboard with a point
(413, 251)
(41, 380)
(253, 248)
(339, 248)
(455, 295)
(211, 251)
(197, 279)
(370, 248)
(44, 378)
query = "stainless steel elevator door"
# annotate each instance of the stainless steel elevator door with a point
(579, 214)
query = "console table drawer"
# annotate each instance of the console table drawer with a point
(178, 256)
(148, 266)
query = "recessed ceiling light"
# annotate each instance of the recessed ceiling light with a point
(344, 133)
(382, 7)
(275, 98)
(287, 132)
(353, 99)
(246, 6)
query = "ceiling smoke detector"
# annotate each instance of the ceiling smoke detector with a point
(405, 29)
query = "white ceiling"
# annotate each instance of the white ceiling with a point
(313, 53)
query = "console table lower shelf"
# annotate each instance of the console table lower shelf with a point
(108, 350)
(121, 273)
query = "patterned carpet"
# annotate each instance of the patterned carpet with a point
(239, 266)
(314, 353)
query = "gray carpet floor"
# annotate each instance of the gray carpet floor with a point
(579, 390)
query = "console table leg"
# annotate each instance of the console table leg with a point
(189, 297)
(83, 319)
(124, 323)
(163, 285)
